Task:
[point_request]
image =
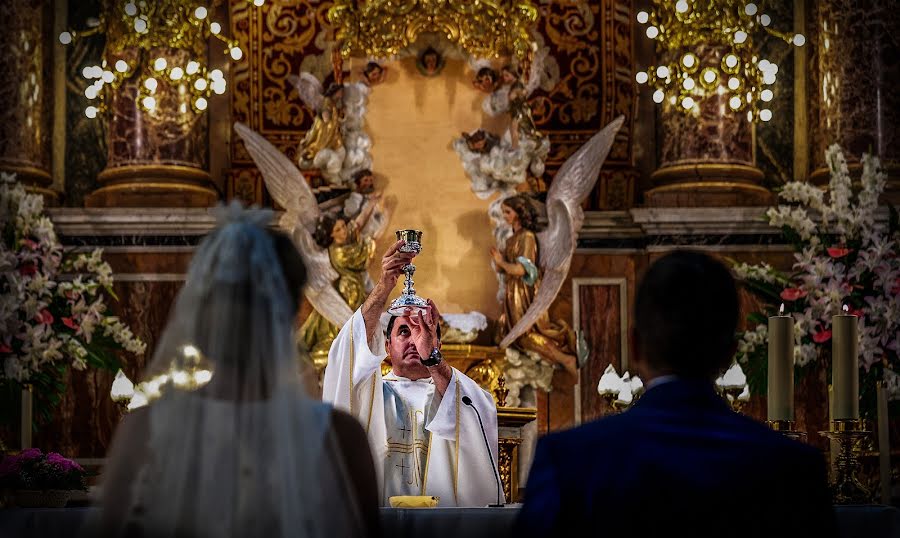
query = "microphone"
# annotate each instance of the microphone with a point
(468, 401)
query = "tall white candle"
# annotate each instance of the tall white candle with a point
(845, 366)
(780, 394)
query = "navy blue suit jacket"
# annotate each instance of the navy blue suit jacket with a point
(680, 462)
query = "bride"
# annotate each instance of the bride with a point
(245, 451)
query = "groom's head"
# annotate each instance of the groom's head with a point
(686, 314)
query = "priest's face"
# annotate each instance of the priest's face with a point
(401, 348)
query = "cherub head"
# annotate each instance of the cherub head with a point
(486, 80)
(509, 74)
(430, 62)
(374, 73)
(331, 229)
(480, 141)
(364, 181)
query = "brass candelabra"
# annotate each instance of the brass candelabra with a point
(787, 428)
(846, 487)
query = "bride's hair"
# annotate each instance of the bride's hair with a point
(291, 265)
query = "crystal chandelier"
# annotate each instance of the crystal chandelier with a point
(142, 26)
(709, 50)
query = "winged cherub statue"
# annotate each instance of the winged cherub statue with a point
(336, 143)
(336, 248)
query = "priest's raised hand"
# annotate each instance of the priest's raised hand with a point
(424, 441)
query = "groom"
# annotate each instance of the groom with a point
(425, 438)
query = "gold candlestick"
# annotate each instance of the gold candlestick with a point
(787, 427)
(846, 487)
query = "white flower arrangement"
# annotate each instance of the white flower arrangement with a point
(843, 257)
(47, 321)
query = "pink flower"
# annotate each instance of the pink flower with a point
(63, 463)
(855, 312)
(792, 294)
(30, 244)
(5, 348)
(30, 454)
(70, 323)
(28, 269)
(821, 337)
(838, 252)
(44, 317)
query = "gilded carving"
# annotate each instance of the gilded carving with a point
(589, 39)
(382, 28)
(507, 468)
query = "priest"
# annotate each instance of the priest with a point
(422, 417)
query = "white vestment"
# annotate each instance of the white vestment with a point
(422, 443)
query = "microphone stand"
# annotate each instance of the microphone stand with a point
(468, 401)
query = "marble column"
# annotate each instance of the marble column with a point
(26, 94)
(157, 157)
(706, 159)
(854, 97)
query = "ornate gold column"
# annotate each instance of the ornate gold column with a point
(157, 156)
(26, 94)
(854, 99)
(706, 158)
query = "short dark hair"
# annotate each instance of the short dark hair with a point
(686, 314)
(292, 266)
(390, 327)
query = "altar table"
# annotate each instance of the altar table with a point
(867, 521)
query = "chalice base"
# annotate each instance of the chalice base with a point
(413, 302)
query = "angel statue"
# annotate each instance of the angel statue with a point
(533, 263)
(335, 249)
(349, 253)
(335, 144)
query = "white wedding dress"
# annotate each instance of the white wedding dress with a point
(248, 453)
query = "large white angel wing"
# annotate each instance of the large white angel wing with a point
(289, 188)
(309, 88)
(572, 183)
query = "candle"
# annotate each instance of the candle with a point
(845, 366)
(884, 447)
(780, 395)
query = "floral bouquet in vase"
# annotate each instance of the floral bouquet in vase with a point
(846, 256)
(52, 304)
(41, 480)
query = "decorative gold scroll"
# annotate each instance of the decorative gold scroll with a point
(482, 28)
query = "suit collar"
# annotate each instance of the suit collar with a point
(681, 392)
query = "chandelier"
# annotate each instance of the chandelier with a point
(709, 51)
(133, 30)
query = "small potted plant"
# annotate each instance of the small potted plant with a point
(40, 480)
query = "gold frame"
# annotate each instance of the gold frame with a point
(483, 28)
